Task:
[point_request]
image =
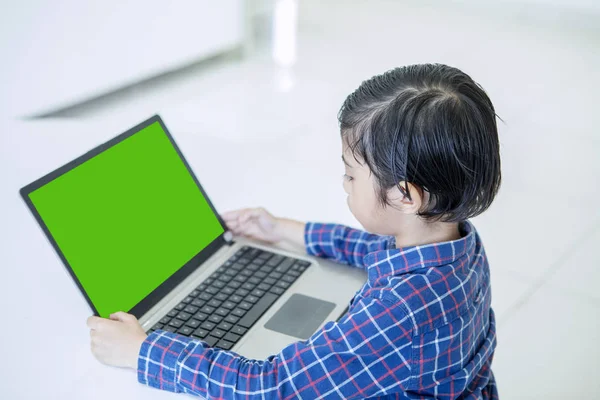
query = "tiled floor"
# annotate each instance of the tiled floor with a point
(541, 69)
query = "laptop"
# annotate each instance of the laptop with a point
(137, 233)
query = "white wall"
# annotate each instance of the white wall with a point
(56, 53)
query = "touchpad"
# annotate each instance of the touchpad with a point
(300, 316)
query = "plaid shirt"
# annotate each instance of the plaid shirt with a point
(420, 328)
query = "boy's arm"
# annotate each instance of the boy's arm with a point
(359, 356)
(344, 244)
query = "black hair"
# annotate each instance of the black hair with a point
(432, 126)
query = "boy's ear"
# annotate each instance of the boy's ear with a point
(406, 204)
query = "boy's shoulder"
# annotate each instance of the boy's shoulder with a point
(438, 295)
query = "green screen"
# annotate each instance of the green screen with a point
(127, 219)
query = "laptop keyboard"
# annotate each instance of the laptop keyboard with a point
(226, 305)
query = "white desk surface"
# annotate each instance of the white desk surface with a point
(44, 341)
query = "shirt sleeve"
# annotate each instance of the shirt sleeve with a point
(365, 354)
(345, 245)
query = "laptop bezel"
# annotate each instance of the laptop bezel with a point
(182, 273)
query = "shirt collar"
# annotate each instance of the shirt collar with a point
(391, 261)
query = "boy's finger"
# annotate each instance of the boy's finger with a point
(121, 316)
(231, 215)
(249, 214)
(94, 322)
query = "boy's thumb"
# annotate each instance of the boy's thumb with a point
(120, 316)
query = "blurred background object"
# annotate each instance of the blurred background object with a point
(254, 86)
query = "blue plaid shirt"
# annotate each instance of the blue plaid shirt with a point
(420, 328)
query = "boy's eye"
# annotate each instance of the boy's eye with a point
(348, 177)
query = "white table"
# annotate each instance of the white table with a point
(44, 341)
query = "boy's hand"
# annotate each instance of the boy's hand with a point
(116, 341)
(256, 223)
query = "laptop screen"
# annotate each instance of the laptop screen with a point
(127, 219)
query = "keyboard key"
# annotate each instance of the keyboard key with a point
(180, 306)
(275, 260)
(211, 341)
(258, 293)
(209, 281)
(240, 278)
(157, 326)
(277, 290)
(269, 281)
(202, 287)
(239, 330)
(223, 312)
(265, 255)
(214, 303)
(302, 268)
(236, 298)
(172, 313)
(234, 284)
(184, 316)
(230, 272)
(275, 275)
(264, 287)
(224, 326)
(224, 344)
(246, 272)
(197, 303)
(229, 305)
(231, 319)
(245, 305)
(224, 278)
(288, 278)
(209, 326)
(238, 312)
(176, 323)
(232, 337)
(253, 267)
(253, 252)
(258, 262)
(265, 269)
(187, 300)
(212, 290)
(242, 292)
(221, 296)
(282, 284)
(260, 275)
(217, 333)
(227, 290)
(303, 263)
(218, 284)
(248, 286)
(205, 297)
(215, 318)
(169, 329)
(243, 261)
(284, 266)
(293, 273)
(258, 310)
(200, 316)
(191, 309)
(194, 323)
(237, 267)
(254, 280)
(252, 299)
(185, 330)
(165, 320)
(207, 310)
(195, 293)
(200, 333)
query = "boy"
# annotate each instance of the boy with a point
(421, 152)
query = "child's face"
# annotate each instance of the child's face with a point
(360, 185)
